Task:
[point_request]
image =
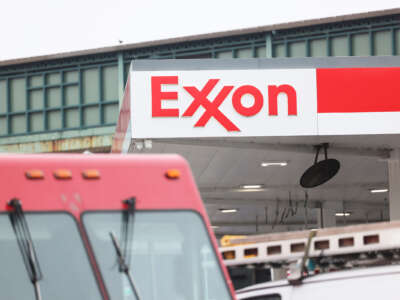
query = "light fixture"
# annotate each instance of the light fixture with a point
(251, 186)
(274, 163)
(343, 214)
(228, 210)
(214, 227)
(374, 191)
(321, 171)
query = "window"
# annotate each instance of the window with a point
(64, 263)
(171, 256)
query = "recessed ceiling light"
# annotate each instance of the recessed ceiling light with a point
(251, 186)
(342, 214)
(379, 190)
(228, 210)
(274, 163)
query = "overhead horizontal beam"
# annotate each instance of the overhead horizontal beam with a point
(382, 153)
(76, 144)
(296, 224)
(334, 205)
(293, 187)
(222, 228)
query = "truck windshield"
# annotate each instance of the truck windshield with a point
(65, 267)
(171, 256)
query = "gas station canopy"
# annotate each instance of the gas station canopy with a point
(250, 129)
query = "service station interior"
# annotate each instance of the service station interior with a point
(254, 185)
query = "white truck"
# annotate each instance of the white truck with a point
(354, 262)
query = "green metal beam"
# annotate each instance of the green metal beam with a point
(268, 45)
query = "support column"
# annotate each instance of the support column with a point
(326, 217)
(121, 80)
(394, 184)
(268, 45)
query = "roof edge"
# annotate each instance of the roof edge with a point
(227, 33)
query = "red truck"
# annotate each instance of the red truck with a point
(105, 227)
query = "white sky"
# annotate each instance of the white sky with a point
(38, 27)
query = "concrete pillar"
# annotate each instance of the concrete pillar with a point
(394, 184)
(326, 217)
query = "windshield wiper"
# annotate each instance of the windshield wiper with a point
(25, 244)
(126, 236)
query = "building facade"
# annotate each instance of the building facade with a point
(70, 101)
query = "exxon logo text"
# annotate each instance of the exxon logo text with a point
(211, 106)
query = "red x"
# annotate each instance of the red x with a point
(200, 98)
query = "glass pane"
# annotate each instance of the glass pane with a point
(110, 83)
(279, 50)
(64, 263)
(383, 43)
(53, 78)
(54, 120)
(318, 47)
(91, 116)
(54, 97)
(224, 54)
(71, 76)
(18, 94)
(91, 86)
(71, 95)
(36, 99)
(36, 81)
(397, 38)
(244, 53)
(72, 119)
(111, 112)
(361, 45)
(36, 122)
(3, 126)
(3, 96)
(261, 52)
(18, 124)
(171, 256)
(340, 46)
(297, 49)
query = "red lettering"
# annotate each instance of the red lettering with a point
(200, 98)
(157, 96)
(237, 100)
(274, 91)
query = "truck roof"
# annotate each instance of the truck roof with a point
(120, 177)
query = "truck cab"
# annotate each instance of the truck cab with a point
(105, 227)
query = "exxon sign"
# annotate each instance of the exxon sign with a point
(204, 98)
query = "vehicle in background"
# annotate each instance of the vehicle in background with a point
(243, 275)
(354, 262)
(114, 227)
(367, 283)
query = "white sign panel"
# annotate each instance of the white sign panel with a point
(223, 103)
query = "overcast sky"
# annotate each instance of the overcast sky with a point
(38, 27)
